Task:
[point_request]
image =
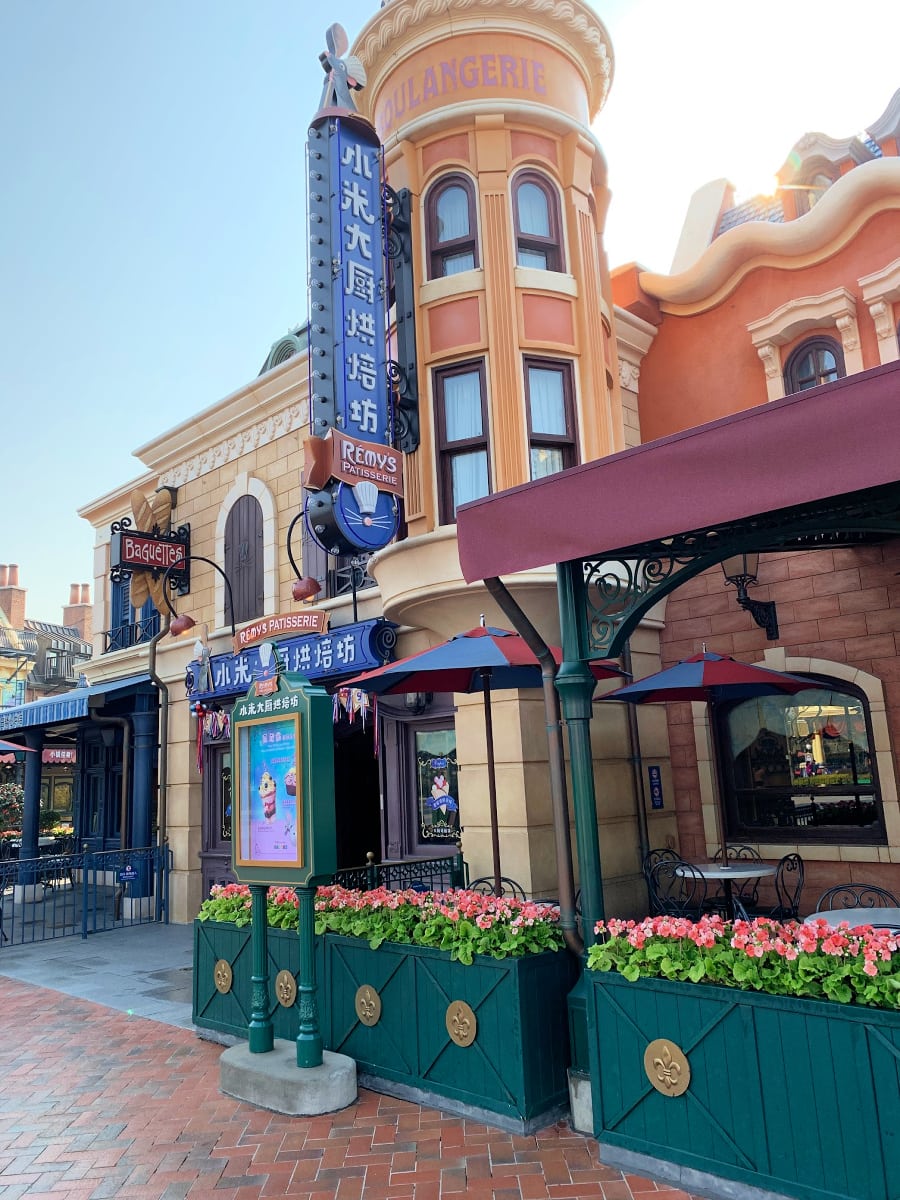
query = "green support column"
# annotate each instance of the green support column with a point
(309, 1039)
(260, 1035)
(575, 684)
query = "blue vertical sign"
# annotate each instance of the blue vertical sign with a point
(351, 408)
(654, 774)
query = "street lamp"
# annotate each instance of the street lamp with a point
(740, 572)
(304, 587)
(182, 623)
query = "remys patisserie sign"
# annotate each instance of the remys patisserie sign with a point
(526, 70)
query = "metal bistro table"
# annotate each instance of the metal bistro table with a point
(878, 918)
(728, 872)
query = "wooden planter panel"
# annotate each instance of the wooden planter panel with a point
(230, 1013)
(516, 1066)
(517, 1063)
(797, 1096)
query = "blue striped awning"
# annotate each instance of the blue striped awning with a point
(68, 706)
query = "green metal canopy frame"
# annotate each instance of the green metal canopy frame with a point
(642, 522)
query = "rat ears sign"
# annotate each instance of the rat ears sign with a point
(283, 831)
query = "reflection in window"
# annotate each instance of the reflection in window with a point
(815, 362)
(801, 768)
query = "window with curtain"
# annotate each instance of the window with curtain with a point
(538, 229)
(451, 227)
(462, 436)
(551, 416)
(801, 768)
(816, 361)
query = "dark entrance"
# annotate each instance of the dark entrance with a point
(356, 792)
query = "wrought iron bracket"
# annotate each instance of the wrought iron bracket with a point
(763, 613)
(403, 373)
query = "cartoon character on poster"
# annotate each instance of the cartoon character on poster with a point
(443, 807)
(273, 791)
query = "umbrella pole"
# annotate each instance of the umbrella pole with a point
(717, 779)
(492, 779)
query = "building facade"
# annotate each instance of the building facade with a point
(517, 375)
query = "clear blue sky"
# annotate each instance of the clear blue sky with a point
(152, 223)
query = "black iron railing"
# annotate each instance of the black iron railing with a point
(420, 874)
(65, 893)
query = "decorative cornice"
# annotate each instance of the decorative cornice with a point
(290, 419)
(398, 18)
(837, 218)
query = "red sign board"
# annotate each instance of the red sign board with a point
(312, 620)
(337, 456)
(142, 550)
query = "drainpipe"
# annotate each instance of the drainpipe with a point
(637, 761)
(125, 726)
(163, 766)
(558, 793)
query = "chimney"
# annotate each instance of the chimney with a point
(12, 597)
(78, 613)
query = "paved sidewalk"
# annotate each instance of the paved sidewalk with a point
(98, 1102)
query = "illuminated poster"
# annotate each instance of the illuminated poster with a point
(272, 809)
(437, 771)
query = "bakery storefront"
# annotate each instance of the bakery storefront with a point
(391, 765)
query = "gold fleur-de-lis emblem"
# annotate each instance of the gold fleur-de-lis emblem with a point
(222, 976)
(461, 1022)
(667, 1067)
(286, 988)
(368, 1005)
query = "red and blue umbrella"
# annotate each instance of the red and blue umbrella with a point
(710, 677)
(479, 660)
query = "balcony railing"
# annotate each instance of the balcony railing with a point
(134, 633)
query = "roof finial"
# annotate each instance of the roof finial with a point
(482, 622)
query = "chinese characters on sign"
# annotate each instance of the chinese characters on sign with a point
(354, 509)
(349, 649)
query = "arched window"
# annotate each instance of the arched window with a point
(801, 768)
(536, 212)
(244, 560)
(816, 361)
(451, 227)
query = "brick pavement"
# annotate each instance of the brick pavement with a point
(97, 1104)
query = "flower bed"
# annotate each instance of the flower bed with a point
(851, 964)
(761, 1052)
(469, 990)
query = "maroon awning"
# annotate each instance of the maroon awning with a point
(828, 441)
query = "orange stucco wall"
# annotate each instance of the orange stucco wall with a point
(477, 67)
(705, 366)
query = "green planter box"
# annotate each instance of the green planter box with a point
(799, 1097)
(513, 1071)
(516, 1065)
(229, 1011)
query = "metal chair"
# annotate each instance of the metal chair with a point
(856, 895)
(789, 876)
(788, 881)
(676, 888)
(508, 887)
